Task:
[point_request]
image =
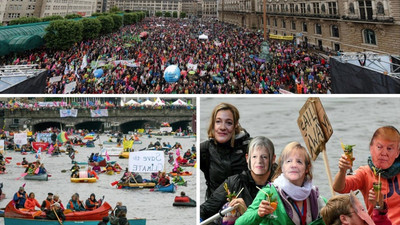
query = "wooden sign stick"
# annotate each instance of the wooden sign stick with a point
(327, 169)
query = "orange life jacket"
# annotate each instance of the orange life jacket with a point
(48, 203)
(92, 203)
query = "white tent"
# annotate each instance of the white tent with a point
(147, 103)
(179, 103)
(132, 102)
(158, 102)
(203, 36)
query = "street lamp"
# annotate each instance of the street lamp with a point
(264, 53)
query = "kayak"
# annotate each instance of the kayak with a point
(109, 143)
(137, 142)
(102, 163)
(21, 216)
(136, 185)
(41, 177)
(124, 155)
(181, 183)
(79, 163)
(15, 221)
(184, 201)
(111, 151)
(186, 173)
(188, 164)
(83, 180)
(170, 188)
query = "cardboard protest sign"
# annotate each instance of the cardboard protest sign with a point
(146, 161)
(310, 129)
(322, 117)
(316, 130)
(20, 138)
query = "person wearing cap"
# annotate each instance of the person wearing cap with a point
(20, 198)
(348, 210)
(75, 204)
(385, 161)
(91, 203)
(55, 212)
(31, 202)
(261, 167)
(47, 202)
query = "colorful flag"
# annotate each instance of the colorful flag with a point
(127, 144)
(62, 137)
(38, 153)
(107, 156)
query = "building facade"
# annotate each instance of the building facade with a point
(41, 8)
(347, 25)
(209, 8)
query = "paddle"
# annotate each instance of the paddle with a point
(22, 175)
(9, 157)
(58, 218)
(114, 183)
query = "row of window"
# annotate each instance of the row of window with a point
(317, 30)
(369, 37)
(365, 9)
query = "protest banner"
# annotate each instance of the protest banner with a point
(55, 79)
(68, 112)
(99, 113)
(146, 161)
(20, 138)
(316, 130)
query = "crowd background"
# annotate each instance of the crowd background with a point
(225, 63)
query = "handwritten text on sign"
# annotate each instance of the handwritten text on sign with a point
(20, 139)
(310, 129)
(146, 161)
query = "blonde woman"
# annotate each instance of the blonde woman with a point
(297, 200)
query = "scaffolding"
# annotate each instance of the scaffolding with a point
(11, 75)
(384, 64)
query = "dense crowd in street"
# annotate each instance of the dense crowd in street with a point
(224, 63)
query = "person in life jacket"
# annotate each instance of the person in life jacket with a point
(20, 198)
(24, 161)
(75, 204)
(91, 173)
(91, 203)
(57, 199)
(31, 202)
(55, 212)
(47, 202)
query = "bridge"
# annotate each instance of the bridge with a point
(118, 119)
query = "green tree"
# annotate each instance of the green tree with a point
(107, 24)
(175, 14)
(158, 13)
(72, 16)
(117, 21)
(51, 18)
(183, 15)
(24, 20)
(91, 28)
(115, 9)
(167, 14)
(129, 18)
(62, 34)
